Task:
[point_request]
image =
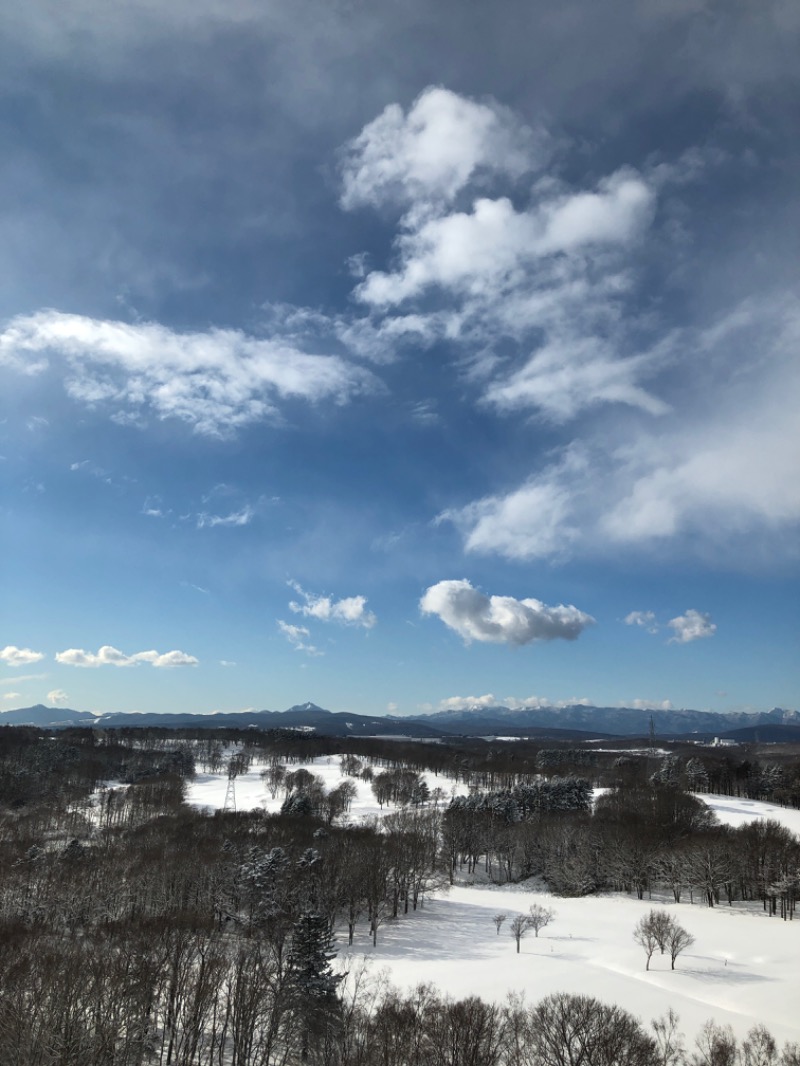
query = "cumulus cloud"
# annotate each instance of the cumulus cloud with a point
(57, 697)
(468, 253)
(648, 705)
(13, 656)
(643, 619)
(691, 626)
(543, 275)
(299, 637)
(110, 656)
(215, 381)
(500, 619)
(12, 695)
(433, 150)
(350, 610)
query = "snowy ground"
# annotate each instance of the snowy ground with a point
(732, 811)
(208, 790)
(742, 969)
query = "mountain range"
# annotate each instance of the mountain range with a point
(576, 722)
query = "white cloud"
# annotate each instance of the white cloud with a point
(472, 253)
(12, 695)
(236, 518)
(500, 619)
(110, 656)
(215, 381)
(545, 276)
(691, 626)
(431, 152)
(350, 610)
(298, 637)
(466, 703)
(720, 475)
(57, 697)
(513, 703)
(529, 522)
(152, 508)
(13, 656)
(19, 678)
(647, 705)
(643, 619)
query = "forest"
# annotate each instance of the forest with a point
(136, 929)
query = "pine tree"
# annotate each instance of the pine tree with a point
(314, 983)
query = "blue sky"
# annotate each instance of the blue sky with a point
(399, 356)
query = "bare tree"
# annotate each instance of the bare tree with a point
(498, 921)
(662, 925)
(716, 1046)
(520, 924)
(669, 1040)
(645, 937)
(565, 1029)
(273, 778)
(677, 940)
(540, 917)
(759, 1048)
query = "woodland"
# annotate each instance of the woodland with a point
(136, 930)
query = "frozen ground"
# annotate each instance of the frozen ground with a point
(742, 969)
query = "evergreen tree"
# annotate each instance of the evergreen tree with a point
(314, 983)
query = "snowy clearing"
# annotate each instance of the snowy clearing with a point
(742, 969)
(208, 790)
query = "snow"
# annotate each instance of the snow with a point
(732, 811)
(741, 970)
(208, 790)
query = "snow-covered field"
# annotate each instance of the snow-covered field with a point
(732, 811)
(208, 790)
(742, 969)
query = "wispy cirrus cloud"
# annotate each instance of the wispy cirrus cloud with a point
(242, 517)
(11, 655)
(721, 472)
(299, 637)
(501, 619)
(216, 381)
(110, 656)
(18, 679)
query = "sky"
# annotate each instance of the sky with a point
(399, 356)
